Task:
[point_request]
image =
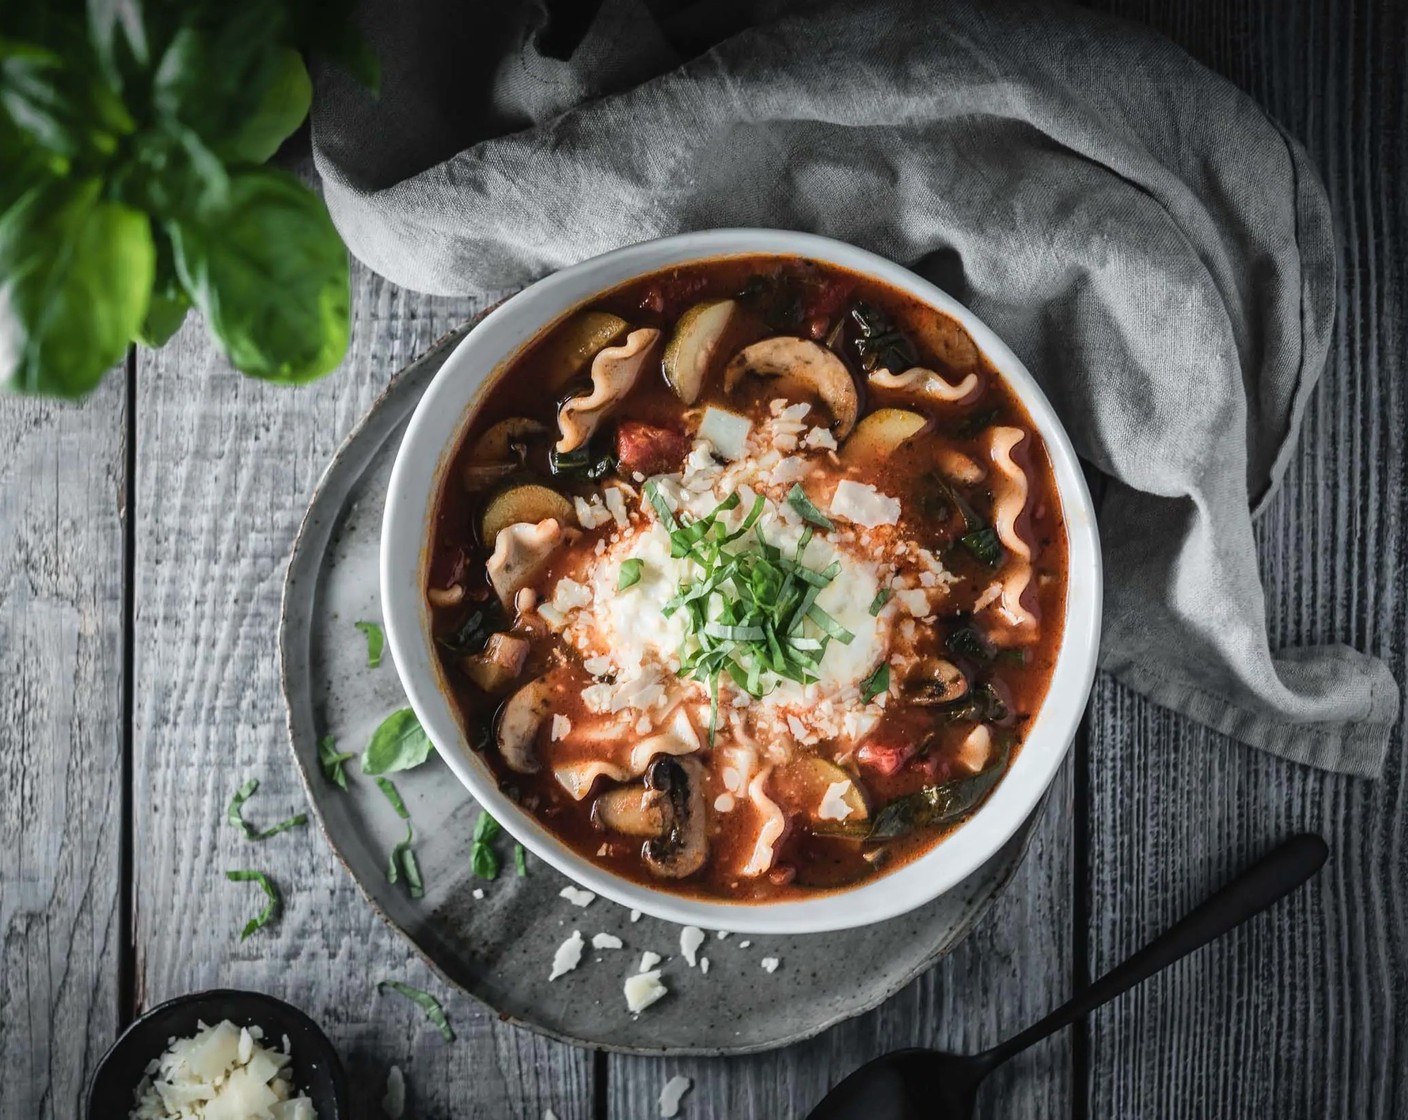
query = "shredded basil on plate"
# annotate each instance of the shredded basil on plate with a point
(426, 1002)
(400, 743)
(330, 760)
(482, 857)
(271, 907)
(376, 642)
(234, 814)
(520, 860)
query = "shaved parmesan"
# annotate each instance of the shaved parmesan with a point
(648, 960)
(606, 941)
(577, 896)
(862, 503)
(727, 432)
(568, 955)
(561, 726)
(691, 937)
(833, 803)
(770, 964)
(643, 989)
(220, 1073)
(670, 1096)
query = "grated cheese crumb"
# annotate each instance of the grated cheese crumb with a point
(670, 1096)
(643, 989)
(568, 955)
(606, 941)
(770, 964)
(561, 726)
(691, 937)
(577, 896)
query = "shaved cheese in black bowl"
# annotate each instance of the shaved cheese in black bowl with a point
(313, 1069)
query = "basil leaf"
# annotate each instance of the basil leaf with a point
(393, 866)
(881, 598)
(330, 760)
(486, 828)
(270, 274)
(484, 861)
(376, 642)
(287, 96)
(400, 743)
(412, 871)
(938, 805)
(630, 573)
(798, 500)
(234, 814)
(271, 907)
(474, 632)
(520, 859)
(77, 278)
(426, 1002)
(876, 683)
(984, 545)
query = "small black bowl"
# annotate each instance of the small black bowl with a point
(317, 1070)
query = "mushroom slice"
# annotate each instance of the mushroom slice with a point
(935, 682)
(528, 503)
(632, 810)
(615, 371)
(496, 444)
(804, 363)
(521, 554)
(682, 846)
(519, 720)
(694, 346)
(926, 382)
(880, 434)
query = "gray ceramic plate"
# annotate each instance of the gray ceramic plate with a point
(500, 947)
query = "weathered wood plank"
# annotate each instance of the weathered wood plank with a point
(225, 469)
(1014, 968)
(1300, 1014)
(62, 479)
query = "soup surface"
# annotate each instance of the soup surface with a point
(748, 577)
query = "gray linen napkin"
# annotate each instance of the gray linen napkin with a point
(1155, 249)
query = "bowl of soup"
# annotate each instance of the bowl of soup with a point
(746, 578)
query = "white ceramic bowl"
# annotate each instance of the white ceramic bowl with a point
(428, 448)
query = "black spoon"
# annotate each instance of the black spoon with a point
(932, 1085)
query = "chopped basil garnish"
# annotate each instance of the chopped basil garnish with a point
(376, 642)
(967, 642)
(474, 631)
(482, 857)
(426, 1002)
(330, 760)
(403, 857)
(234, 814)
(876, 683)
(881, 598)
(400, 743)
(798, 500)
(630, 573)
(520, 860)
(271, 907)
(879, 343)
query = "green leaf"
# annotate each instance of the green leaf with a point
(984, 546)
(234, 814)
(393, 795)
(60, 102)
(280, 111)
(426, 1002)
(520, 860)
(376, 642)
(482, 857)
(330, 760)
(798, 500)
(400, 743)
(169, 303)
(75, 281)
(881, 598)
(630, 573)
(944, 804)
(270, 274)
(486, 828)
(876, 683)
(271, 907)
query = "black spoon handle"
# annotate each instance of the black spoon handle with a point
(1269, 879)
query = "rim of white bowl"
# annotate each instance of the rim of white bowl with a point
(427, 449)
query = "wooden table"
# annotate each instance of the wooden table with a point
(143, 538)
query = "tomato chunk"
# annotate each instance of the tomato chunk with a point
(647, 449)
(885, 758)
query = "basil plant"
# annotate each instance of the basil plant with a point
(133, 143)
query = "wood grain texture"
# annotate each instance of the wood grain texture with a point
(61, 495)
(225, 470)
(1014, 967)
(1302, 1013)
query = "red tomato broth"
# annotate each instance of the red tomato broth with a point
(806, 299)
